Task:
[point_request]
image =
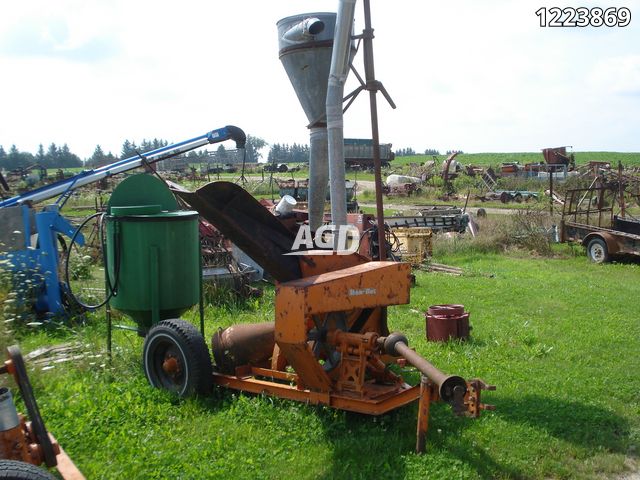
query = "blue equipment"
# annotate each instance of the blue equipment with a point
(37, 261)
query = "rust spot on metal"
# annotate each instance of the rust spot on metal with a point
(171, 366)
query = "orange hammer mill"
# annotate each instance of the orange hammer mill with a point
(329, 343)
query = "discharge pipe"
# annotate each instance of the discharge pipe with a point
(318, 176)
(451, 388)
(305, 30)
(335, 125)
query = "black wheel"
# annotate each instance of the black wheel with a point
(505, 197)
(597, 250)
(481, 213)
(14, 470)
(518, 198)
(176, 358)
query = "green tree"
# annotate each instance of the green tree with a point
(276, 153)
(128, 149)
(18, 159)
(67, 158)
(254, 144)
(98, 158)
(40, 156)
(3, 157)
(221, 154)
(52, 157)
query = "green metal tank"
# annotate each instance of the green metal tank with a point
(153, 252)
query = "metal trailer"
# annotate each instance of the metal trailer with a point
(359, 151)
(588, 217)
(601, 243)
(436, 221)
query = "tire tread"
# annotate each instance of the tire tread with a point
(195, 347)
(16, 470)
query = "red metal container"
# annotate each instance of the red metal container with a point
(555, 156)
(445, 322)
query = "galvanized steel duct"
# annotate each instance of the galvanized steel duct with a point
(304, 30)
(335, 94)
(318, 176)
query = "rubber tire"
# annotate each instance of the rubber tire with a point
(505, 197)
(15, 470)
(192, 354)
(518, 198)
(481, 213)
(597, 250)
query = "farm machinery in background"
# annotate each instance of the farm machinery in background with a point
(29, 238)
(299, 191)
(358, 153)
(597, 216)
(25, 445)
(558, 165)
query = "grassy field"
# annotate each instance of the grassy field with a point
(628, 159)
(559, 337)
(495, 159)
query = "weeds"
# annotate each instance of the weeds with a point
(529, 229)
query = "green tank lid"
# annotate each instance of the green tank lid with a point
(143, 189)
(136, 210)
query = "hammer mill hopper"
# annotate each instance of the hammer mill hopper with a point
(306, 51)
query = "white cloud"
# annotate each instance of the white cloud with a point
(616, 75)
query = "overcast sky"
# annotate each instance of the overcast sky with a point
(481, 76)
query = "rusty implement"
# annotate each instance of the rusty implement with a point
(28, 441)
(329, 343)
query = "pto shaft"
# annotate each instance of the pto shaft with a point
(451, 388)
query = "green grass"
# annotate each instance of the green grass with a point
(559, 337)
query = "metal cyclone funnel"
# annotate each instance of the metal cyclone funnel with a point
(306, 42)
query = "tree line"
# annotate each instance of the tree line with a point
(62, 157)
(53, 157)
(409, 152)
(288, 153)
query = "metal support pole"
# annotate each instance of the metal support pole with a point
(109, 329)
(201, 295)
(372, 86)
(334, 101)
(550, 189)
(621, 190)
(423, 414)
(318, 175)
